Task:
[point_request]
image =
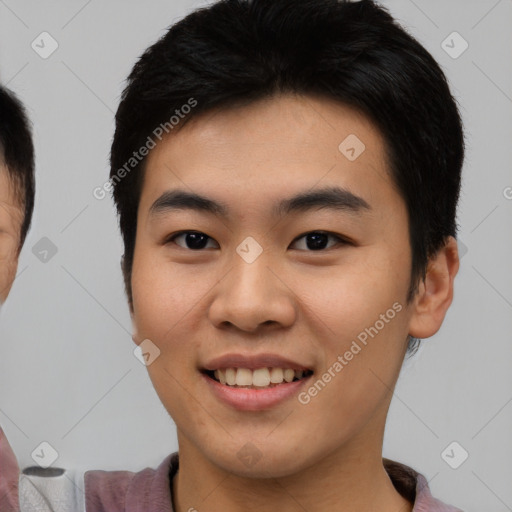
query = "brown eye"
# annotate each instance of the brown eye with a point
(193, 240)
(317, 240)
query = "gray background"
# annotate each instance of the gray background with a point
(68, 375)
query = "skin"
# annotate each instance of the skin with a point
(292, 300)
(11, 217)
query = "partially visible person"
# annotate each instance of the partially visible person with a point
(17, 185)
(17, 191)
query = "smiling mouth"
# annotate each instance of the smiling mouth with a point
(261, 378)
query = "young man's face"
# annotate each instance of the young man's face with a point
(198, 300)
(11, 217)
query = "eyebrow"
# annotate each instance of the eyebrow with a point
(332, 198)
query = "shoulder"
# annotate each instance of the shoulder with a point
(37, 488)
(148, 490)
(56, 489)
(51, 489)
(414, 487)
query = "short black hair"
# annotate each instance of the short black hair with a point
(17, 155)
(234, 52)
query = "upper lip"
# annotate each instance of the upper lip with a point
(253, 362)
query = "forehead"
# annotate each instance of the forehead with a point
(268, 150)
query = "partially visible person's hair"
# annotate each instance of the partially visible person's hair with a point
(235, 52)
(17, 155)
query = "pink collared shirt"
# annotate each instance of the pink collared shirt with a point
(148, 490)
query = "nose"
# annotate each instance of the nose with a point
(253, 296)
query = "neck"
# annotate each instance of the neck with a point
(343, 481)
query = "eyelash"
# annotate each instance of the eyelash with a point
(340, 240)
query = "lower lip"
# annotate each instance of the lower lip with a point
(246, 399)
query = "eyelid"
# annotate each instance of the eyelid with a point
(172, 236)
(341, 240)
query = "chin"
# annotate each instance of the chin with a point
(248, 459)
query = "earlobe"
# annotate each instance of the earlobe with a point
(435, 293)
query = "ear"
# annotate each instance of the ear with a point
(435, 293)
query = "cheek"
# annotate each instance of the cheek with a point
(162, 298)
(360, 316)
(362, 352)
(350, 298)
(166, 296)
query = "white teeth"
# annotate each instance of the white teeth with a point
(261, 377)
(288, 374)
(243, 377)
(230, 376)
(220, 376)
(276, 375)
